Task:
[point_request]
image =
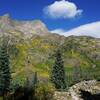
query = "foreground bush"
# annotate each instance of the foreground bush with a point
(44, 92)
(40, 92)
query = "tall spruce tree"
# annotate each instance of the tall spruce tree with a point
(5, 75)
(58, 73)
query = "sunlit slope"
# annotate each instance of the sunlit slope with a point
(32, 49)
(36, 55)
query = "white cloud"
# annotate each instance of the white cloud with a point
(59, 31)
(62, 9)
(90, 29)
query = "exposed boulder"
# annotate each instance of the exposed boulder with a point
(91, 87)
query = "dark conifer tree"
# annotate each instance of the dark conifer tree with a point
(58, 73)
(35, 79)
(5, 74)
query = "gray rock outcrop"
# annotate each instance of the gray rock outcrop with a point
(74, 92)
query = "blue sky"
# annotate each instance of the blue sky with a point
(64, 19)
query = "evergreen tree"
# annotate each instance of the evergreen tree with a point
(35, 79)
(58, 73)
(5, 75)
(29, 89)
(31, 81)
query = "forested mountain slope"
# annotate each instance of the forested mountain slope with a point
(31, 49)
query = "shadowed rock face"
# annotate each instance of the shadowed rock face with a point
(88, 96)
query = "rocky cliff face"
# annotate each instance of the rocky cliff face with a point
(32, 27)
(29, 28)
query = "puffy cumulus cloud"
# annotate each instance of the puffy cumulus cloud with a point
(90, 29)
(62, 9)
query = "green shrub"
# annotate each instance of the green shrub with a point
(1, 98)
(44, 92)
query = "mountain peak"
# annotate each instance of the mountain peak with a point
(6, 15)
(5, 22)
(32, 27)
(29, 28)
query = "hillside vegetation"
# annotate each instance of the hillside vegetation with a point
(32, 47)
